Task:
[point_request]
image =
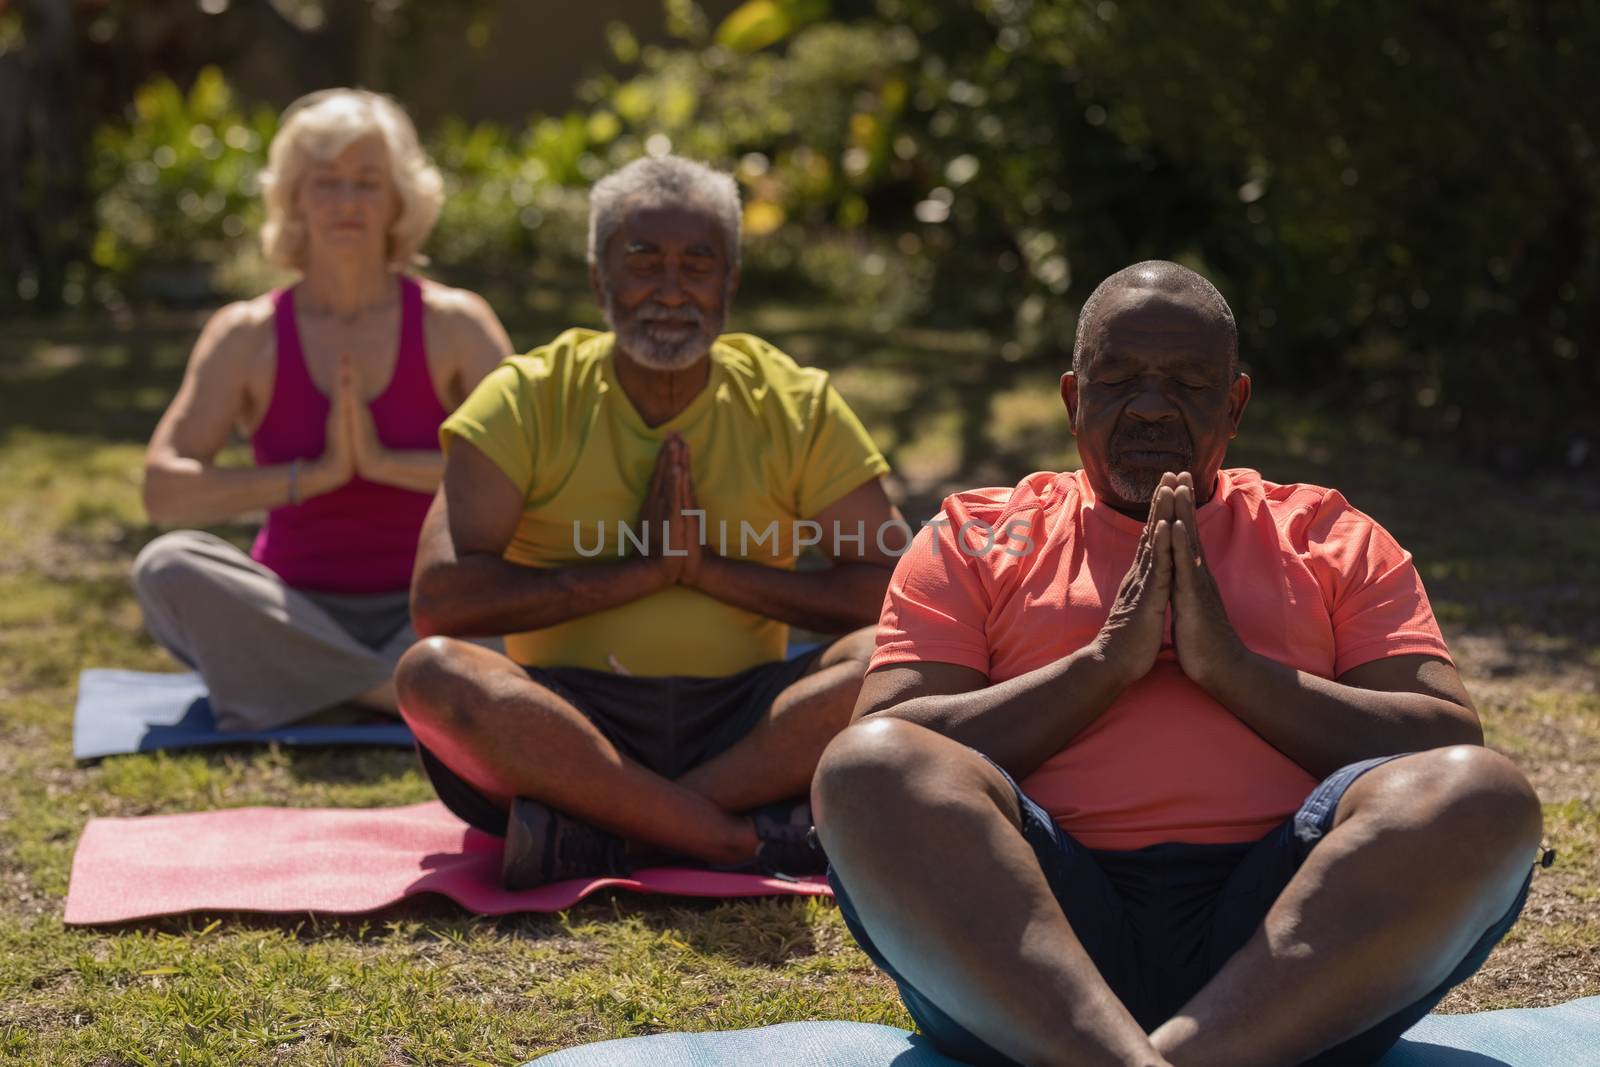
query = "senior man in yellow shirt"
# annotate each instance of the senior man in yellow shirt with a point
(627, 509)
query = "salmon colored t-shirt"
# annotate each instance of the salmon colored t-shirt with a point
(1307, 580)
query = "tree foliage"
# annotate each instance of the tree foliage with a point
(1400, 201)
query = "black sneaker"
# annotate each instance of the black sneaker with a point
(544, 845)
(788, 842)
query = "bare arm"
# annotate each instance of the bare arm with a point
(1388, 706)
(1018, 723)
(846, 595)
(1023, 721)
(466, 338)
(1381, 708)
(182, 483)
(417, 469)
(470, 334)
(462, 587)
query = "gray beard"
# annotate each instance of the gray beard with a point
(1134, 488)
(1138, 486)
(658, 353)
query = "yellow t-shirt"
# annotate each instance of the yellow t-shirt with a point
(770, 443)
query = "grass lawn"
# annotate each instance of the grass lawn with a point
(1512, 569)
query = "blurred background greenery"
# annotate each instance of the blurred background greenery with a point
(1401, 201)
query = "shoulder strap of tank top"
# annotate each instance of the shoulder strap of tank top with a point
(287, 337)
(413, 357)
(291, 385)
(411, 315)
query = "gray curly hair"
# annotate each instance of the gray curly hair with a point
(661, 181)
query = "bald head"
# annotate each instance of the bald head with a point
(1155, 386)
(1156, 281)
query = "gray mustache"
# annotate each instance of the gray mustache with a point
(672, 319)
(1154, 442)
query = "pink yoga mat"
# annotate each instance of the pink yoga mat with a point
(334, 861)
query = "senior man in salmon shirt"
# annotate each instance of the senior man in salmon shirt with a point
(1161, 763)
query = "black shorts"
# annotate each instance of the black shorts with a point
(1159, 922)
(668, 724)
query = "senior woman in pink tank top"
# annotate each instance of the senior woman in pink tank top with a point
(339, 382)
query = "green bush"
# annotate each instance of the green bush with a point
(506, 205)
(177, 209)
(176, 186)
(1402, 206)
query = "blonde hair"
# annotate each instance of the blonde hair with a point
(315, 129)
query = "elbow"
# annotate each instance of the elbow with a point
(1452, 724)
(427, 615)
(423, 625)
(158, 505)
(1465, 728)
(868, 608)
(432, 605)
(878, 711)
(869, 613)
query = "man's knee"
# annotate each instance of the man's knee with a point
(882, 765)
(1467, 793)
(864, 758)
(431, 682)
(1483, 792)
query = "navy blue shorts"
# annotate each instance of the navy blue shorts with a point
(1159, 922)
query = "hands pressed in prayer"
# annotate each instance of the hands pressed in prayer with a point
(660, 499)
(351, 445)
(665, 510)
(370, 455)
(338, 462)
(1206, 641)
(1169, 569)
(1131, 636)
(688, 526)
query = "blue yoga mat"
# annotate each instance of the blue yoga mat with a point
(136, 711)
(139, 711)
(1564, 1036)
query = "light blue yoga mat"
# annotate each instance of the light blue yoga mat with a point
(140, 711)
(137, 711)
(1564, 1036)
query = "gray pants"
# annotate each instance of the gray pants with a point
(269, 654)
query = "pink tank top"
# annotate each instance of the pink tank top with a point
(362, 537)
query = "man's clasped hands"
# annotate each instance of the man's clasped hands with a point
(672, 512)
(1169, 570)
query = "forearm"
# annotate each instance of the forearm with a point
(1323, 725)
(418, 469)
(840, 598)
(480, 595)
(179, 491)
(1025, 720)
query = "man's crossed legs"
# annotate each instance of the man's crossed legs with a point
(490, 732)
(1331, 936)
